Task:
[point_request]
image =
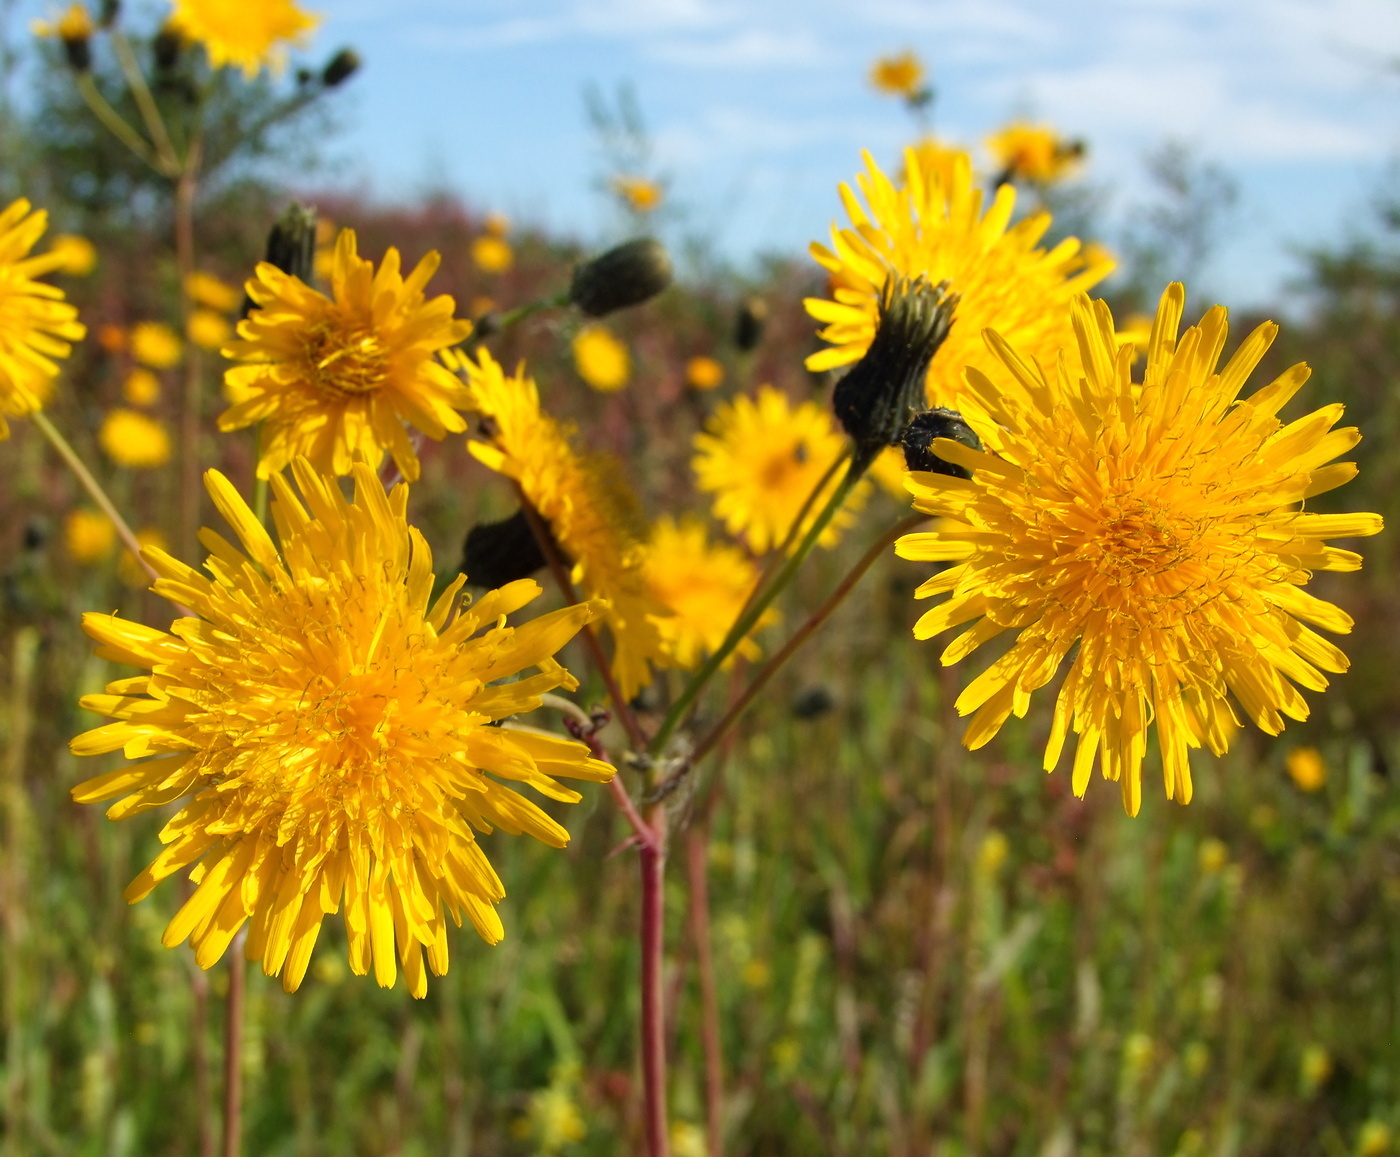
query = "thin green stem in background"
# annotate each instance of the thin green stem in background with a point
(116, 124)
(168, 162)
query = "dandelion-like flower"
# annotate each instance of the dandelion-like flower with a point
(601, 359)
(88, 535)
(933, 226)
(899, 75)
(330, 733)
(155, 344)
(492, 253)
(36, 324)
(134, 440)
(1152, 535)
(705, 585)
(761, 457)
(593, 515)
(212, 292)
(248, 34)
(1035, 153)
(637, 193)
(334, 376)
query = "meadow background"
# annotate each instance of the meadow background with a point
(917, 950)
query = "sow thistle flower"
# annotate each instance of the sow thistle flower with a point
(1035, 153)
(933, 226)
(249, 34)
(36, 324)
(335, 376)
(1153, 536)
(329, 733)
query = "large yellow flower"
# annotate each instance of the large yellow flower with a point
(934, 225)
(705, 585)
(330, 733)
(245, 33)
(36, 324)
(593, 515)
(333, 377)
(1153, 535)
(761, 457)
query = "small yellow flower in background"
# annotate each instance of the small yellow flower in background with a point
(936, 161)
(1307, 768)
(1314, 1067)
(992, 853)
(141, 387)
(207, 329)
(76, 256)
(134, 440)
(761, 457)
(330, 377)
(343, 716)
(129, 568)
(1035, 153)
(688, 1140)
(638, 194)
(756, 973)
(888, 472)
(1212, 856)
(553, 1120)
(213, 293)
(480, 305)
(496, 224)
(1196, 1059)
(705, 585)
(248, 34)
(899, 75)
(1137, 1054)
(73, 24)
(36, 324)
(601, 359)
(934, 226)
(1151, 536)
(1374, 1139)
(88, 536)
(492, 254)
(584, 497)
(703, 373)
(156, 345)
(112, 338)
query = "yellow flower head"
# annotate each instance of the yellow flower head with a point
(207, 329)
(1152, 535)
(934, 226)
(134, 440)
(705, 585)
(88, 536)
(36, 324)
(76, 256)
(601, 359)
(1035, 153)
(496, 224)
(73, 24)
(638, 194)
(594, 517)
(492, 253)
(328, 731)
(245, 33)
(335, 376)
(141, 387)
(1306, 768)
(211, 292)
(761, 457)
(898, 75)
(156, 345)
(703, 373)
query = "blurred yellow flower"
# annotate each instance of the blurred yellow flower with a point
(209, 291)
(553, 1122)
(36, 324)
(935, 226)
(1212, 856)
(1034, 153)
(480, 305)
(937, 162)
(601, 359)
(141, 387)
(584, 497)
(703, 373)
(492, 254)
(992, 853)
(331, 377)
(248, 34)
(756, 973)
(73, 24)
(112, 338)
(1307, 768)
(310, 774)
(1149, 535)
(207, 329)
(156, 345)
(888, 471)
(637, 193)
(761, 458)
(134, 440)
(1314, 1067)
(688, 1140)
(1373, 1140)
(496, 224)
(899, 75)
(88, 535)
(129, 569)
(76, 256)
(705, 585)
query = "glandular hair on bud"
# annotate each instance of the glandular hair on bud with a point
(497, 553)
(883, 391)
(340, 68)
(626, 275)
(930, 425)
(749, 323)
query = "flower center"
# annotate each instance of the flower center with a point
(342, 358)
(1138, 539)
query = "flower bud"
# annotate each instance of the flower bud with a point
(341, 67)
(107, 13)
(876, 400)
(625, 275)
(921, 432)
(165, 50)
(748, 325)
(497, 553)
(291, 245)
